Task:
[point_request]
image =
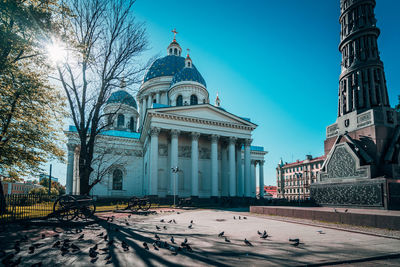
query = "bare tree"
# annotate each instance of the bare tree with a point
(106, 45)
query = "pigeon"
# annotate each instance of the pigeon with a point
(259, 233)
(178, 212)
(127, 224)
(155, 246)
(93, 253)
(346, 210)
(234, 217)
(170, 221)
(185, 241)
(244, 218)
(227, 240)
(157, 237)
(191, 222)
(101, 234)
(294, 240)
(125, 246)
(173, 220)
(265, 232)
(162, 220)
(105, 237)
(172, 240)
(129, 216)
(75, 247)
(108, 258)
(81, 236)
(165, 244)
(57, 244)
(31, 249)
(295, 244)
(239, 218)
(7, 260)
(145, 246)
(264, 236)
(188, 248)
(17, 247)
(247, 242)
(335, 210)
(108, 218)
(95, 247)
(43, 236)
(320, 232)
(190, 226)
(173, 250)
(221, 234)
(158, 228)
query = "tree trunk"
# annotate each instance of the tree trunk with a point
(2, 200)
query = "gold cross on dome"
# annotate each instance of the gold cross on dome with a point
(175, 32)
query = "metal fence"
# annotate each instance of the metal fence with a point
(27, 206)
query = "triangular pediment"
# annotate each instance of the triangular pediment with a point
(205, 111)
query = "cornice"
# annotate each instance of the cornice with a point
(199, 120)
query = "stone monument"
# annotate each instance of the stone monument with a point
(362, 148)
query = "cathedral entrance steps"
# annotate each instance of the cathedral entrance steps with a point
(388, 219)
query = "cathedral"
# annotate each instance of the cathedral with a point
(169, 140)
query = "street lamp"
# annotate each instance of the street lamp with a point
(175, 170)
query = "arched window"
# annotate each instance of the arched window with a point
(117, 180)
(188, 64)
(132, 124)
(175, 51)
(193, 100)
(170, 51)
(121, 120)
(179, 100)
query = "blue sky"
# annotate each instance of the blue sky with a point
(276, 62)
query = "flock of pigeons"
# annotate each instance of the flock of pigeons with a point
(68, 245)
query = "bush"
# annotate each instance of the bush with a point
(44, 191)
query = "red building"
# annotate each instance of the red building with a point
(270, 191)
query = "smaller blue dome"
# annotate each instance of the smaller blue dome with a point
(188, 74)
(122, 97)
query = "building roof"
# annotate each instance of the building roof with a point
(188, 74)
(116, 133)
(165, 66)
(123, 97)
(292, 164)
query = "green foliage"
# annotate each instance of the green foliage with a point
(56, 185)
(31, 110)
(44, 191)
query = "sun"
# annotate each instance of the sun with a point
(56, 51)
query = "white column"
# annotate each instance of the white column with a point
(195, 164)
(70, 168)
(247, 176)
(232, 167)
(174, 161)
(144, 108)
(261, 178)
(76, 180)
(141, 111)
(224, 171)
(158, 98)
(149, 101)
(154, 161)
(239, 170)
(253, 178)
(214, 165)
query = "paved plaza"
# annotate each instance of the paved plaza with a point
(318, 245)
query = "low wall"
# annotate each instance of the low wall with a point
(359, 219)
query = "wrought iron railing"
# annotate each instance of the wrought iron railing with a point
(26, 206)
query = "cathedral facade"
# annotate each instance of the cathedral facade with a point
(170, 140)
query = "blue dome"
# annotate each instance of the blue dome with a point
(166, 66)
(122, 97)
(188, 74)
